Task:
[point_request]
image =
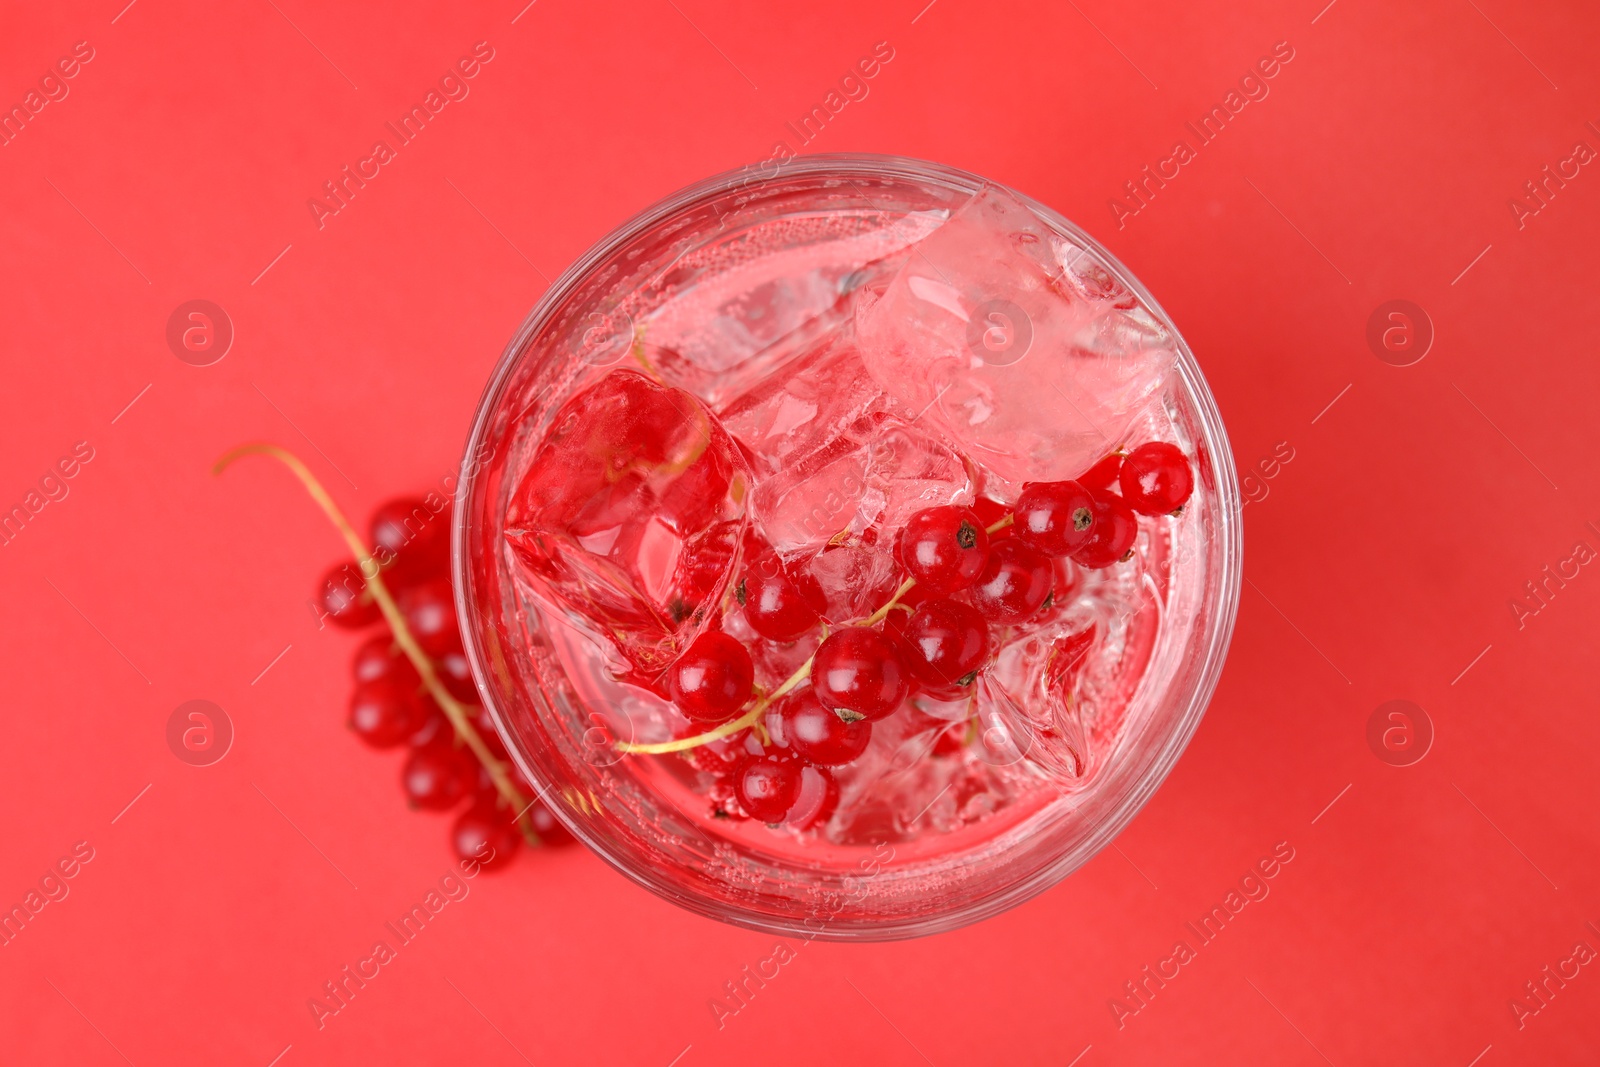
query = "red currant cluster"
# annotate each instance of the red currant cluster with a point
(401, 693)
(966, 572)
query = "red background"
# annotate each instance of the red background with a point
(1380, 564)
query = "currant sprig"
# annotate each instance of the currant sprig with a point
(753, 716)
(945, 550)
(454, 710)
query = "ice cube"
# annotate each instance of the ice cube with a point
(719, 331)
(858, 486)
(1031, 358)
(631, 516)
(816, 402)
(1029, 701)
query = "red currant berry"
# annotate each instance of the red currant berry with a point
(435, 729)
(857, 674)
(767, 786)
(379, 657)
(989, 512)
(384, 712)
(345, 598)
(1102, 475)
(1111, 535)
(778, 606)
(1054, 517)
(949, 641)
(724, 799)
(712, 679)
(1014, 584)
(429, 609)
(484, 724)
(411, 540)
(438, 776)
(944, 548)
(456, 674)
(817, 800)
(1156, 479)
(818, 735)
(486, 833)
(553, 833)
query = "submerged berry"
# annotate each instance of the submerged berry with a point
(1156, 478)
(778, 606)
(1014, 584)
(948, 643)
(767, 786)
(818, 735)
(712, 679)
(858, 674)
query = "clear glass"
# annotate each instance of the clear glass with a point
(560, 717)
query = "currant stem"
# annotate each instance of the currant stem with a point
(883, 613)
(727, 729)
(453, 708)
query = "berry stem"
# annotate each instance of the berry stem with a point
(453, 709)
(727, 729)
(883, 613)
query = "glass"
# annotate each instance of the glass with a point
(561, 718)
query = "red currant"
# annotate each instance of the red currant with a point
(552, 832)
(712, 679)
(1054, 517)
(438, 776)
(484, 725)
(724, 799)
(767, 786)
(486, 830)
(385, 712)
(857, 674)
(379, 657)
(1156, 479)
(949, 641)
(820, 736)
(411, 539)
(429, 609)
(989, 512)
(944, 548)
(1111, 535)
(435, 729)
(456, 674)
(345, 598)
(778, 606)
(1102, 475)
(1014, 584)
(817, 800)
